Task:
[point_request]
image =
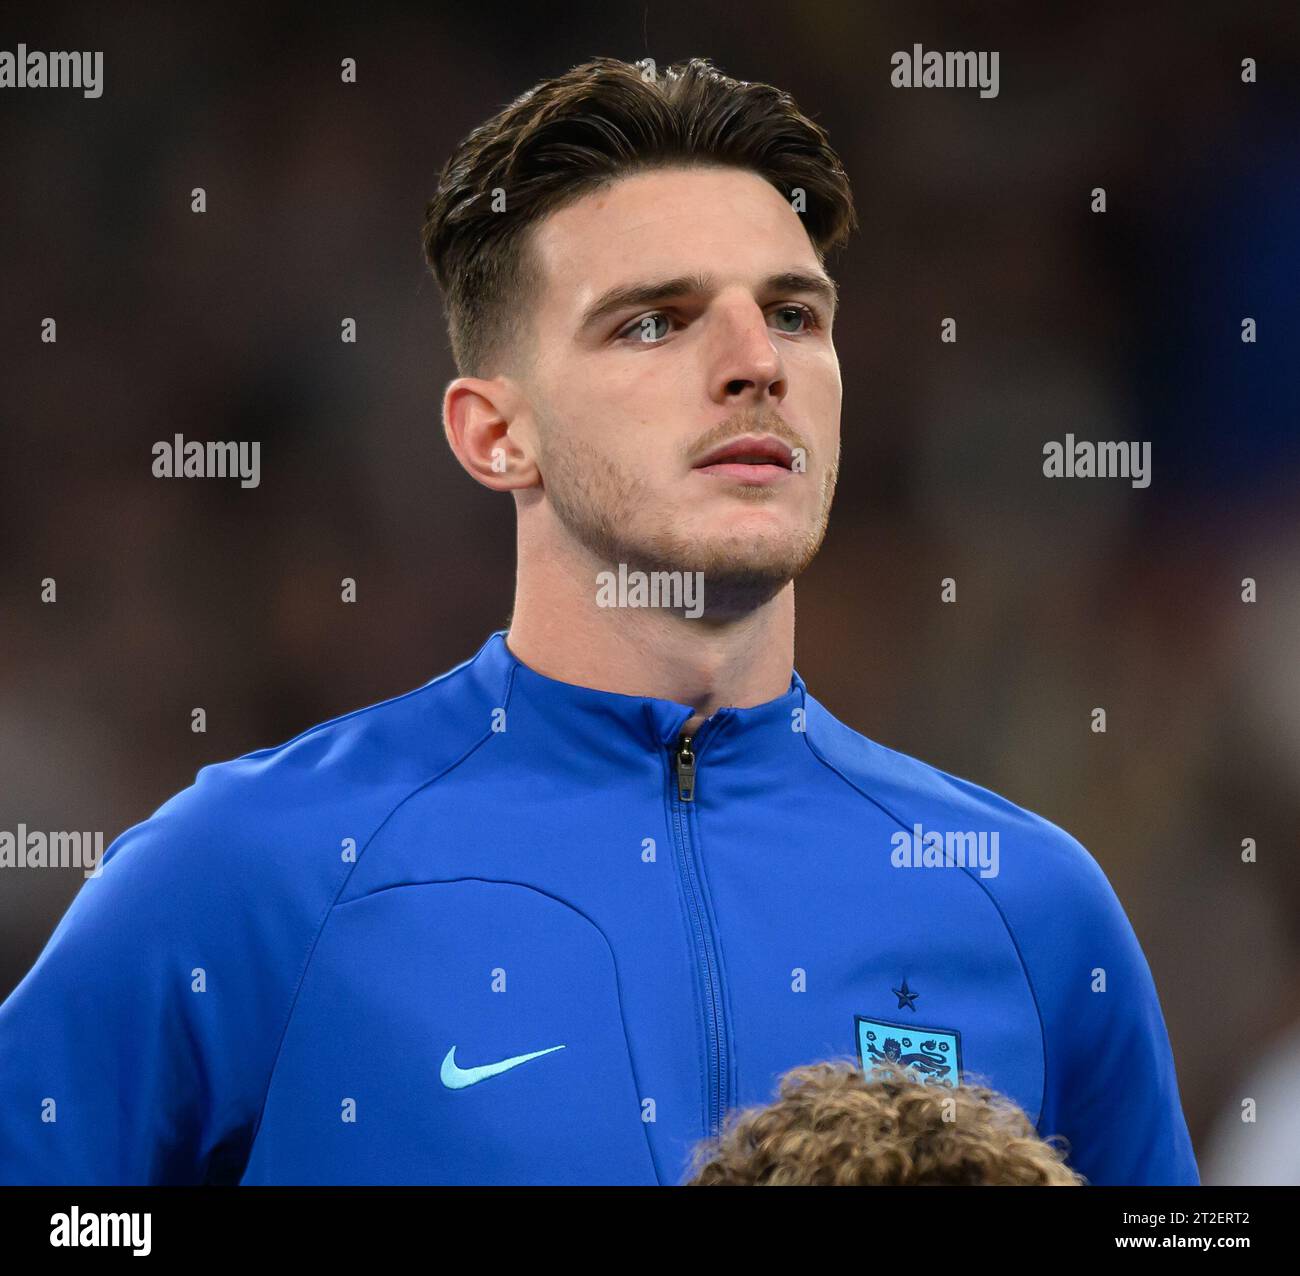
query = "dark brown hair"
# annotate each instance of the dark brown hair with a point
(833, 1127)
(579, 131)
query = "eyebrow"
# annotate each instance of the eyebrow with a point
(657, 291)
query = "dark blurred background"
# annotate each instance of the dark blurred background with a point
(1071, 594)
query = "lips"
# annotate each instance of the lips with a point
(760, 452)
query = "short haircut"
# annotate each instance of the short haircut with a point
(571, 135)
(831, 1126)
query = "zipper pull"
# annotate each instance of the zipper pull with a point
(685, 761)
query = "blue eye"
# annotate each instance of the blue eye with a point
(645, 331)
(652, 328)
(800, 313)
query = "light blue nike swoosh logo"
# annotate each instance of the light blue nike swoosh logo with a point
(455, 1078)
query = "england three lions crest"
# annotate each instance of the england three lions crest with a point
(933, 1054)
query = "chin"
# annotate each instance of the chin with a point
(739, 573)
(769, 561)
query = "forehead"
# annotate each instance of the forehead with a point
(722, 221)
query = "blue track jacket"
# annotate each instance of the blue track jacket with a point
(505, 929)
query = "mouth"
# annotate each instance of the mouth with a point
(751, 459)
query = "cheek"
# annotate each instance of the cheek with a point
(829, 395)
(824, 377)
(636, 415)
(818, 418)
(642, 387)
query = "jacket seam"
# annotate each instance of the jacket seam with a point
(1011, 934)
(325, 916)
(572, 907)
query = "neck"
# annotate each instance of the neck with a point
(558, 630)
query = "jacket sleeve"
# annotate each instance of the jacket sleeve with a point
(139, 1047)
(1112, 1090)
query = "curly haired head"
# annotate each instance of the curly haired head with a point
(833, 1127)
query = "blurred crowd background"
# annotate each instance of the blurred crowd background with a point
(1071, 595)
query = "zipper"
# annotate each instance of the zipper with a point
(685, 759)
(684, 764)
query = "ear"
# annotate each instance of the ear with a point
(476, 417)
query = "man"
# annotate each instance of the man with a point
(548, 918)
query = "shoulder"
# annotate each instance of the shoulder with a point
(1037, 856)
(290, 813)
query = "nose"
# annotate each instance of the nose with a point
(747, 367)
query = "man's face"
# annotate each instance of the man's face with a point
(629, 400)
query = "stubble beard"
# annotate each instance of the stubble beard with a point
(603, 508)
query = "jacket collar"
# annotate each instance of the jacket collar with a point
(608, 715)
